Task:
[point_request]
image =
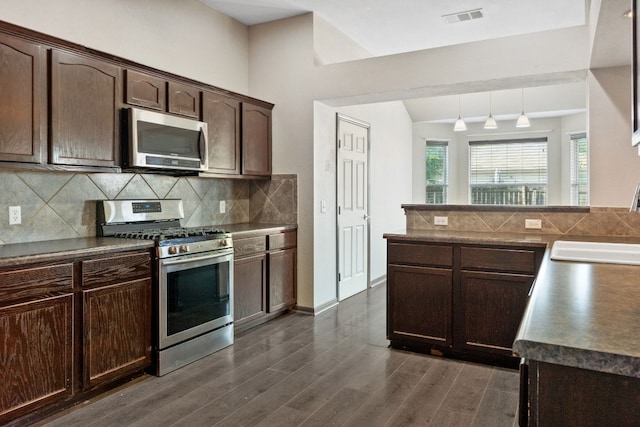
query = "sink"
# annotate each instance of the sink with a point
(611, 253)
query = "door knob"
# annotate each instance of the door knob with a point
(365, 217)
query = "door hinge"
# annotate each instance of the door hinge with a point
(339, 277)
(339, 210)
(339, 143)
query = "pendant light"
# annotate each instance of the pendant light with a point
(491, 122)
(460, 124)
(523, 120)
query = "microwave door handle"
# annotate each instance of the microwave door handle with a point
(202, 142)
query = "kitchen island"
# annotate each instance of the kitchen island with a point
(578, 331)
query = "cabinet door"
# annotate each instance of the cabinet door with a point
(256, 140)
(36, 340)
(85, 98)
(222, 115)
(491, 308)
(23, 103)
(249, 288)
(419, 304)
(145, 90)
(184, 100)
(117, 331)
(282, 279)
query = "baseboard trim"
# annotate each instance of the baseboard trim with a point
(379, 281)
(314, 311)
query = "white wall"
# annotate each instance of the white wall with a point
(180, 36)
(614, 164)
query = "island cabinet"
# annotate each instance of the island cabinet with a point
(420, 293)
(36, 338)
(71, 329)
(85, 103)
(493, 294)
(264, 277)
(458, 300)
(568, 396)
(23, 85)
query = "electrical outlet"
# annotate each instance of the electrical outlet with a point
(223, 206)
(440, 220)
(15, 216)
(533, 223)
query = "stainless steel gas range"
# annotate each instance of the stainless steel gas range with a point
(193, 289)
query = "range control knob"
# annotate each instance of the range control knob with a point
(223, 242)
(184, 248)
(173, 250)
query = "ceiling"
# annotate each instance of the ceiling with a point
(385, 27)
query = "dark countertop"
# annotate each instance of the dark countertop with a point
(16, 254)
(585, 315)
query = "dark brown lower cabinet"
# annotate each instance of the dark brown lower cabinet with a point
(117, 331)
(265, 272)
(250, 285)
(71, 329)
(459, 300)
(568, 396)
(35, 355)
(282, 279)
(492, 306)
(420, 304)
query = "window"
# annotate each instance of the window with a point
(508, 172)
(437, 167)
(579, 169)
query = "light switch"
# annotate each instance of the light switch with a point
(223, 206)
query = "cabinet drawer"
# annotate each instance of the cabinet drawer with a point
(252, 245)
(518, 260)
(418, 254)
(37, 282)
(116, 269)
(283, 240)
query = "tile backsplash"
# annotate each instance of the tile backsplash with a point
(596, 222)
(59, 205)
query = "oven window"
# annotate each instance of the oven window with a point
(196, 296)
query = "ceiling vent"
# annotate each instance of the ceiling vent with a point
(467, 15)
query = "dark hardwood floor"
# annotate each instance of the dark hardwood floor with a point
(331, 369)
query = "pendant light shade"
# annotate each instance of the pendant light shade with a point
(523, 120)
(490, 123)
(460, 124)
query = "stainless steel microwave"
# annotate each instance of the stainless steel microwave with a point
(162, 141)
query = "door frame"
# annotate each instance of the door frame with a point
(362, 123)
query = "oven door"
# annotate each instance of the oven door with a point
(196, 295)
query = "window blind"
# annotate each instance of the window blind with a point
(508, 172)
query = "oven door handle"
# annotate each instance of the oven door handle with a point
(186, 259)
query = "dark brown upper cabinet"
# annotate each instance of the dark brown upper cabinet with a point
(23, 79)
(85, 99)
(183, 100)
(222, 115)
(256, 140)
(145, 91)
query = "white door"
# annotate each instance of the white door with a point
(353, 224)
